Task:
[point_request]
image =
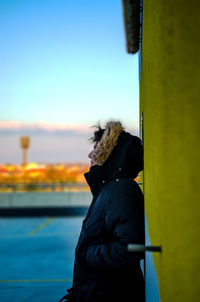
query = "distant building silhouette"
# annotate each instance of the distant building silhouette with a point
(24, 143)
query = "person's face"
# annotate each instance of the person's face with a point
(91, 153)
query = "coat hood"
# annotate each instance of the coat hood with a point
(107, 143)
(118, 154)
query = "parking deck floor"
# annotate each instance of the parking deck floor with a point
(37, 256)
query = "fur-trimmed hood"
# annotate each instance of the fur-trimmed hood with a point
(107, 143)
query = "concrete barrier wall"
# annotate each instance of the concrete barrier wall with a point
(52, 199)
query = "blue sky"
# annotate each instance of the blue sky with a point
(63, 64)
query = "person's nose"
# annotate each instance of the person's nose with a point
(90, 154)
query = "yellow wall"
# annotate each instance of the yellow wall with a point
(170, 100)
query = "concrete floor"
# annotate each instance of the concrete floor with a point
(37, 254)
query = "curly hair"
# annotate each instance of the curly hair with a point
(97, 134)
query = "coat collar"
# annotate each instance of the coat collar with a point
(95, 179)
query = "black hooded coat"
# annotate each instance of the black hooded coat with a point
(104, 270)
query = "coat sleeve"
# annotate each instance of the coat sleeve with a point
(125, 220)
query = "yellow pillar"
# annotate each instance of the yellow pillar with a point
(170, 102)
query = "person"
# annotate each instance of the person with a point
(104, 269)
